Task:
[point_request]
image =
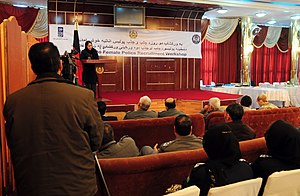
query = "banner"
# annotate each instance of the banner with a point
(109, 41)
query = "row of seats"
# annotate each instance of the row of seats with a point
(159, 130)
(153, 174)
(278, 184)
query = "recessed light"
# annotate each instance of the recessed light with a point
(260, 14)
(271, 22)
(296, 17)
(19, 5)
(222, 11)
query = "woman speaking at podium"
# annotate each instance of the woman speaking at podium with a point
(89, 75)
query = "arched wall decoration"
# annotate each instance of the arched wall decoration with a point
(40, 26)
(220, 30)
(271, 36)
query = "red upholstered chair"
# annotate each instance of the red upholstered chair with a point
(153, 174)
(214, 118)
(252, 149)
(260, 120)
(148, 175)
(153, 130)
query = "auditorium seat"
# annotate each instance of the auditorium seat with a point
(245, 188)
(149, 131)
(260, 120)
(283, 183)
(153, 174)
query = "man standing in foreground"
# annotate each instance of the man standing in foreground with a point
(52, 129)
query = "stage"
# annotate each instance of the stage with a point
(117, 98)
(188, 101)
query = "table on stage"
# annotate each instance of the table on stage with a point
(290, 96)
(100, 66)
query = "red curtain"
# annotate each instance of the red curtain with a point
(270, 65)
(221, 63)
(44, 39)
(24, 16)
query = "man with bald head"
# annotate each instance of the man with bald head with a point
(142, 111)
(170, 109)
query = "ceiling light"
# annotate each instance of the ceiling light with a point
(260, 14)
(222, 11)
(271, 22)
(296, 17)
(19, 5)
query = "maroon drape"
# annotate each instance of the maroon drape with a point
(261, 36)
(220, 63)
(204, 26)
(24, 16)
(283, 42)
(270, 65)
(44, 39)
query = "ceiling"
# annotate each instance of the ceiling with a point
(280, 10)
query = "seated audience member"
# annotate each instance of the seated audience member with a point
(246, 102)
(170, 109)
(110, 148)
(224, 165)
(214, 105)
(233, 117)
(102, 110)
(142, 111)
(283, 143)
(263, 103)
(184, 138)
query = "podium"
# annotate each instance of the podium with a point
(100, 64)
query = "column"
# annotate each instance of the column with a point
(295, 43)
(247, 49)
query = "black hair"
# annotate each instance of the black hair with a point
(87, 43)
(170, 104)
(235, 111)
(183, 125)
(44, 57)
(101, 107)
(246, 101)
(108, 134)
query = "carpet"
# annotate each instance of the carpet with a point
(195, 95)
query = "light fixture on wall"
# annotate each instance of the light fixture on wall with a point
(222, 10)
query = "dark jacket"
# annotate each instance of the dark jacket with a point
(140, 114)
(52, 127)
(89, 74)
(169, 112)
(190, 142)
(265, 165)
(109, 118)
(241, 130)
(126, 147)
(201, 176)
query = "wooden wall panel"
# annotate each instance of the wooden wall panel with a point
(15, 56)
(132, 73)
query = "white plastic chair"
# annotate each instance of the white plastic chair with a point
(188, 191)
(245, 188)
(283, 183)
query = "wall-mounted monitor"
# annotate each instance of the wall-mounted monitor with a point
(129, 16)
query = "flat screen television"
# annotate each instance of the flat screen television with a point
(129, 16)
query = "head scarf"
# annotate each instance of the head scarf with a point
(283, 142)
(221, 145)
